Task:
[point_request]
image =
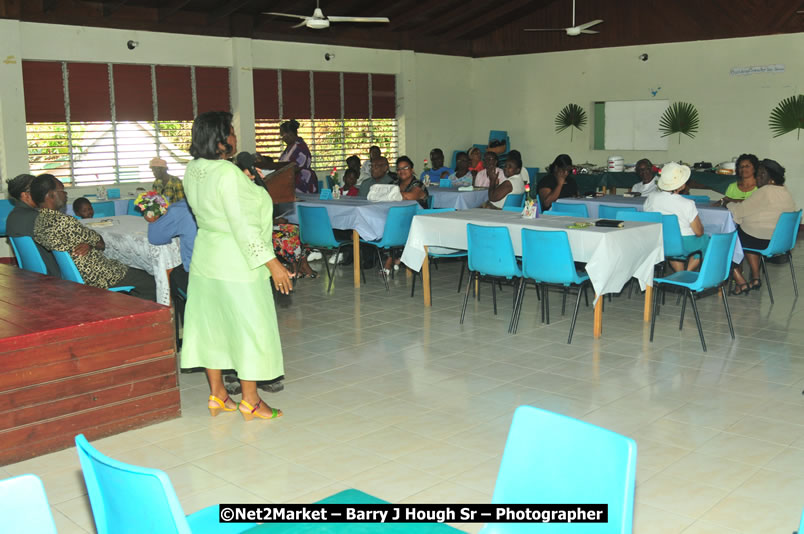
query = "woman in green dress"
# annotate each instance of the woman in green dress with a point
(230, 321)
(747, 166)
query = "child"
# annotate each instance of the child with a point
(349, 181)
(83, 208)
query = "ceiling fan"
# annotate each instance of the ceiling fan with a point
(572, 30)
(319, 22)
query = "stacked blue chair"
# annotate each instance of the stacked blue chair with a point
(715, 270)
(5, 208)
(436, 255)
(515, 201)
(315, 230)
(698, 199)
(28, 257)
(24, 506)
(547, 259)
(103, 209)
(576, 210)
(610, 212)
(781, 244)
(554, 459)
(132, 210)
(70, 272)
(490, 253)
(128, 498)
(394, 235)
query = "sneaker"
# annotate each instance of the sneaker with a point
(396, 266)
(332, 259)
(314, 256)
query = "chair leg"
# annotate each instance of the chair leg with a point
(574, 315)
(513, 312)
(547, 303)
(520, 299)
(792, 272)
(564, 301)
(725, 290)
(697, 320)
(767, 278)
(413, 283)
(460, 280)
(466, 296)
(543, 299)
(683, 310)
(382, 268)
(655, 311)
(494, 296)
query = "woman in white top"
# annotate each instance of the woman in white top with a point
(647, 180)
(667, 200)
(509, 183)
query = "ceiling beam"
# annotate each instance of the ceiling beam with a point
(225, 10)
(494, 15)
(172, 7)
(413, 14)
(452, 18)
(110, 8)
(49, 5)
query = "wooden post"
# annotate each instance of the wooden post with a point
(356, 256)
(648, 304)
(426, 279)
(598, 322)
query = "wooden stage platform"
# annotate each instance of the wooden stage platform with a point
(77, 359)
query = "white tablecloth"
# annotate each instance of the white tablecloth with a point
(127, 242)
(612, 255)
(460, 200)
(715, 220)
(367, 217)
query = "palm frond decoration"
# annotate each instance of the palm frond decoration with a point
(679, 118)
(787, 116)
(572, 116)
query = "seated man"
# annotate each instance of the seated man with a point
(56, 231)
(20, 222)
(647, 185)
(438, 171)
(167, 185)
(379, 175)
(365, 169)
(179, 222)
(83, 208)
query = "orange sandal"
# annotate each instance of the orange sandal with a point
(221, 406)
(252, 411)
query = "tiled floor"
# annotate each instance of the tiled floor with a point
(402, 402)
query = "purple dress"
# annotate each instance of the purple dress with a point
(306, 180)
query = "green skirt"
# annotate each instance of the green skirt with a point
(232, 325)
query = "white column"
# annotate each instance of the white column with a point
(242, 91)
(13, 141)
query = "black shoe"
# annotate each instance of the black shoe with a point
(271, 387)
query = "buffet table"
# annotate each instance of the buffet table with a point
(589, 183)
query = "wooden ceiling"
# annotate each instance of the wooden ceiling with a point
(473, 28)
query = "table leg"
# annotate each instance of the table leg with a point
(426, 279)
(356, 256)
(648, 304)
(598, 323)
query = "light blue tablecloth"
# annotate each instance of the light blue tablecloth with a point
(460, 200)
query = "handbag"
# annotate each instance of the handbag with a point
(384, 193)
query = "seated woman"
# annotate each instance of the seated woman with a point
(559, 182)
(756, 218)
(411, 187)
(510, 183)
(668, 201)
(475, 160)
(490, 172)
(462, 175)
(746, 182)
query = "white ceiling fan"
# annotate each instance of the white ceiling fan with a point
(319, 22)
(572, 30)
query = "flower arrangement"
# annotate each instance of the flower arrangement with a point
(151, 204)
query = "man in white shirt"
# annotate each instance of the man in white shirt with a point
(365, 169)
(647, 183)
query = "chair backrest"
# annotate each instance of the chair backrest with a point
(113, 193)
(640, 216)
(103, 209)
(552, 458)
(5, 208)
(24, 506)
(28, 256)
(515, 200)
(671, 235)
(132, 210)
(397, 226)
(716, 265)
(610, 212)
(490, 250)
(547, 256)
(422, 211)
(512, 208)
(315, 229)
(698, 199)
(786, 232)
(121, 494)
(579, 210)
(67, 267)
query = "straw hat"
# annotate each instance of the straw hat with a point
(673, 176)
(158, 162)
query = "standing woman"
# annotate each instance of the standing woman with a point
(230, 321)
(297, 152)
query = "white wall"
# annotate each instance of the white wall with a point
(733, 110)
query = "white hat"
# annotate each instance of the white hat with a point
(158, 162)
(673, 176)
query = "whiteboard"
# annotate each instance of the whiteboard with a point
(634, 125)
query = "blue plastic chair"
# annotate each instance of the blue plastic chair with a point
(127, 498)
(782, 242)
(512, 208)
(24, 506)
(515, 201)
(715, 270)
(698, 199)
(28, 257)
(436, 255)
(639, 216)
(113, 193)
(610, 212)
(800, 525)
(394, 234)
(577, 210)
(103, 209)
(70, 272)
(673, 244)
(132, 210)
(315, 231)
(490, 253)
(547, 259)
(5, 208)
(553, 459)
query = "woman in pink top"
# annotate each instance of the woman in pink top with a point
(491, 171)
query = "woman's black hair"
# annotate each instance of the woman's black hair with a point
(19, 184)
(775, 171)
(404, 159)
(352, 158)
(493, 154)
(291, 126)
(516, 158)
(459, 154)
(752, 159)
(562, 161)
(41, 186)
(209, 130)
